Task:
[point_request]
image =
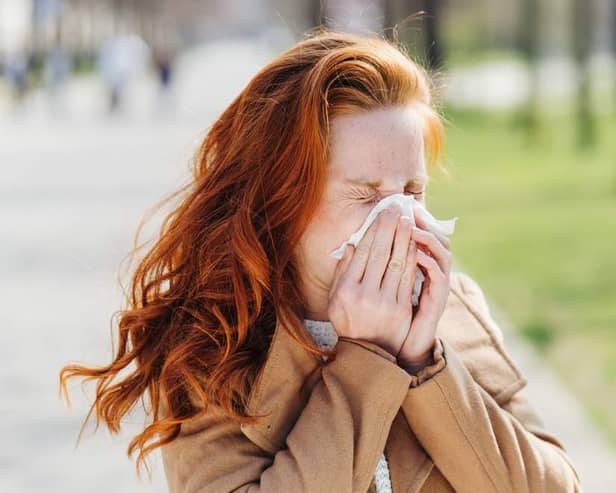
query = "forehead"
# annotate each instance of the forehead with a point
(383, 145)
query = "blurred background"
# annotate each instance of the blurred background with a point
(102, 104)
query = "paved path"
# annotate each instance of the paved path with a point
(70, 200)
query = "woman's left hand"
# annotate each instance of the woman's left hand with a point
(434, 255)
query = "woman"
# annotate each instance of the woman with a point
(271, 366)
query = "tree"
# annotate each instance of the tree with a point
(582, 45)
(433, 40)
(426, 39)
(528, 40)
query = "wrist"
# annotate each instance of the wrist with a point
(413, 365)
(413, 368)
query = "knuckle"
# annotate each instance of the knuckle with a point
(409, 268)
(406, 278)
(379, 252)
(431, 237)
(405, 310)
(395, 265)
(405, 223)
(363, 250)
(417, 231)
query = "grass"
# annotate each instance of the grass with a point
(537, 229)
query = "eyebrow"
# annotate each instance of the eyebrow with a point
(377, 184)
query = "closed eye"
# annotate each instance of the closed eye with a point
(373, 199)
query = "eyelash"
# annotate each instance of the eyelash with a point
(375, 199)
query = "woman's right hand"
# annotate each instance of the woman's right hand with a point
(370, 295)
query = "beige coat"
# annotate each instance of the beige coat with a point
(462, 424)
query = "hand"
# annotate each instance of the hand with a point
(434, 257)
(370, 294)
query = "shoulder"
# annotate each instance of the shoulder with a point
(471, 330)
(467, 289)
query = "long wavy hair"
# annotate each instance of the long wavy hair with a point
(204, 300)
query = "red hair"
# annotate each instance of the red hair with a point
(204, 300)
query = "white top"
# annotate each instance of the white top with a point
(325, 335)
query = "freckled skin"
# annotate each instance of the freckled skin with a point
(383, 145)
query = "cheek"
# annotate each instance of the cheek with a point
(342, 222)
(319, 240)
(326, 232)
(332, 231)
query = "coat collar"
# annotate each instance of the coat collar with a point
(289, 374)
(281, 389)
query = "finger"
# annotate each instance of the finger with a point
(361, 253)
(397, 263)
(435, 247)
(405, 289)
(423, 224)
(435, 274)
(341, 267)
(381, 249)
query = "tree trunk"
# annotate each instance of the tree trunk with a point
(432, 36)
(582, 44)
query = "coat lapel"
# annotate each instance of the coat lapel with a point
(282, 389)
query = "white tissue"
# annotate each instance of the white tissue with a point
(407, 204)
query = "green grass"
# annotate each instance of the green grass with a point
(537, 229)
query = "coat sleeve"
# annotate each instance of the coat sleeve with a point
(334, 445)
(477, 444)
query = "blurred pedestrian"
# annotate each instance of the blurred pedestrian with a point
(164, 62)
(16, 71)
(120, 59)
(57, 70)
